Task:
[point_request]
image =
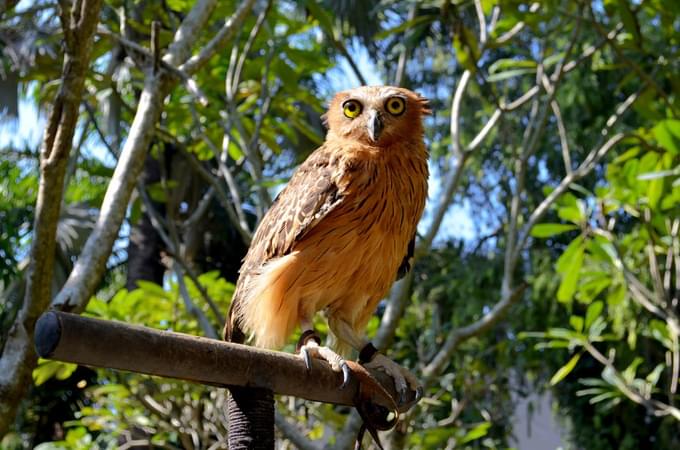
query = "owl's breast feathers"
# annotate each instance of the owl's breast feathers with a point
(334, 238)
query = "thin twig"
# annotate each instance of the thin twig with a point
(200, 210)
(562, 131)
(190, 306)
(221, 194)
(482, 21)
(642, 73)
(443, 357)
(455, 113)
(404, 54)
(149, 57)
(231, 25)
(657, 407)
(240, 219)
(249, 43)
(295, 436)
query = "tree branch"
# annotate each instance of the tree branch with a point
(89, 267)
(190, 28)
(293, 434)
(18, 358)
(189, 83)
(190, 306)
(657, 407)
(459, 335)
(95, 342)
(217, 43)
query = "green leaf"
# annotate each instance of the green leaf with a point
(616, 295)
(467, 53)
(152, 289)
(575, 213)
(658, 330)
(552, 344)
(531, 334)
(602, 397)
(563, 333)
(563, 371)
(630, 371)
(564, 261)
(543, 230)
(65, 370)
(655, 374)
(570, 274)
(321, 15)
(576, 323)
(628, 154)
(476, 433)
(52, 369)
(667, 134)
(508, 74)
(593, 312)
(179, 5)
(596, 328)
(659, 174)
(504, 64)
(405, 26)
(655, 187)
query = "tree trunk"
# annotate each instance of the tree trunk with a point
(145, 245)
(18, 357)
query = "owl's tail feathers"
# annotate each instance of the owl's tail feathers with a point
(232, 330)
(268, 306)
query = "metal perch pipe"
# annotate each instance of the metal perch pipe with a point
(116, 345)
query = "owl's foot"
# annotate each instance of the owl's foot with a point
(404, 380)
(309, 346)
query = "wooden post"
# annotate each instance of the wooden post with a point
(116, 345)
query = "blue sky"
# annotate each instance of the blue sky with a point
(26, 132)
(457, 222)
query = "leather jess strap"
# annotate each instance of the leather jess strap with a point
(374, 415)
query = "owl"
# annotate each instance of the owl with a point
(340, 233)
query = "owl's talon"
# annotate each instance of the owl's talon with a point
(307, 358)
(308, 338)
(311, 349)
(404, 381)
(402, 396)
(419, 393)
(346, 375)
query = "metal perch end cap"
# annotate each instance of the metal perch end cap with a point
(47, 334)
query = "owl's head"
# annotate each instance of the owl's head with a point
(376, 115)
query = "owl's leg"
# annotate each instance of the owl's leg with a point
(309, 346)
(370, 358)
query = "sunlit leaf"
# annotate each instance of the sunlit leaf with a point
(570, 274)
(543, 230)
(475, 433)
(405, 26)
(563, 371)
(576, 323)
(667, 134)
(593, 312)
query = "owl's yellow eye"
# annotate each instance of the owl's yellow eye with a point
(395, 106)
(351, 108)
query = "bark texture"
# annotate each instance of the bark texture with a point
(18, 357)
(145, 245)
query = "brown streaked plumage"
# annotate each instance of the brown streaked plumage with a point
(343, 228)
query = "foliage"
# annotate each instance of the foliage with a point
(555, 136)
(621, 269)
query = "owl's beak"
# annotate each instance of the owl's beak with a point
(375, 125)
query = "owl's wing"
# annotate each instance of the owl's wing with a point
(407, 263)
(309, 196)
